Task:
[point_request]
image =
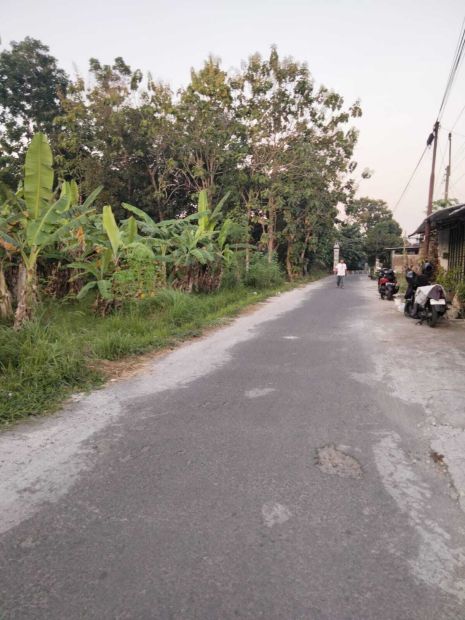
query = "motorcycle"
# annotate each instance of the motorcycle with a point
(423, 300)
(387, 284)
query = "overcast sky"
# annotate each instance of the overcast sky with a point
(394, 55)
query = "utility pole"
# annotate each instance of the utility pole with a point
(336, 250)
(446, 193)
(429, 210)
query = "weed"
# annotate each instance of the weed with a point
(264, 274)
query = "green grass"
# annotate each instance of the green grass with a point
(58, 352)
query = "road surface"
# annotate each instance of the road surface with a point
(300, 463)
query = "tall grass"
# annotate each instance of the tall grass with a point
(58, 353)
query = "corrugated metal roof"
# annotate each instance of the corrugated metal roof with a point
(440, 216)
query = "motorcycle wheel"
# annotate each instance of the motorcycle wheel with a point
(389, 294)
(433, 318)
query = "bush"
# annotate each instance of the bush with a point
(231, 278)
(136, 276)
(263, 274)
(460, 292)
(448, 279)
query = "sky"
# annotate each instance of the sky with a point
(393, 55)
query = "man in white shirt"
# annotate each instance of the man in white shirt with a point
(340, 271)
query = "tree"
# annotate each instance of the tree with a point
(298, 154)
(209, 141)
(272, 96)
(382, 235)
(367, 212)
(352, 244)
(442, 203)
(31, 84)
(379, 228)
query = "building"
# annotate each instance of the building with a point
(448, 233)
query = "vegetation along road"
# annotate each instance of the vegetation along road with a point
(291, 465)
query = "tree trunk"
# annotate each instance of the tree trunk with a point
(27, 295)
(303, 264)
(247, 249)
(6, 308)
(270, 228)
(288, 261)
(151, 174)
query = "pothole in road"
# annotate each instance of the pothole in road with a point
(331, 460)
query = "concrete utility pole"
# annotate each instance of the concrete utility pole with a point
(446, 193)
(429, 210)
(336, 249)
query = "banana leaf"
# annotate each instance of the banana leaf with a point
(38, 175)
(112, 230)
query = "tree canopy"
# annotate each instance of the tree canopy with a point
(378, 228)
(279, 145)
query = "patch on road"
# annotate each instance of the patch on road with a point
(440, 562)
(275, 514)
(331, 460)
(256, 392)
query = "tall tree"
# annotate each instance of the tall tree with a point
(298, 151)
(377, 223)
(209, 143)
(31, 84)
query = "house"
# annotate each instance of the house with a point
(448, 235)
(402, 257)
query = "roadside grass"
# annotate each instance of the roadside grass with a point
(59, 351)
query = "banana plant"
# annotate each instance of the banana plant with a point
(192, 245)
(209, 220)
(162, 236)
(39, 220)
(105, 257)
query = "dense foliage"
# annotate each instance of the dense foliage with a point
(148, 189)
(267, 135)
(368, 231)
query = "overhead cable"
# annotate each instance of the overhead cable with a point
(458, 118)
(411, 178)
(453, 71)
(450, 80)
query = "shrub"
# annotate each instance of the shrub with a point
(448, 279)
(460, 292)
(264, 274)
(231, 278)
(136, 276)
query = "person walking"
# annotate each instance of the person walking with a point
(340, 270)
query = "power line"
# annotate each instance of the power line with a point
(453, 71)
(450, 80)
(411, 178)
(458, 117)
(443, 155)
(459, 179)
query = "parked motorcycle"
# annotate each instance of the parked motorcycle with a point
(387, 284)
(423, 300)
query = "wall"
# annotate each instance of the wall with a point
(443, 248)
(398, 261)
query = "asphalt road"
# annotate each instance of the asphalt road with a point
(270, 470)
